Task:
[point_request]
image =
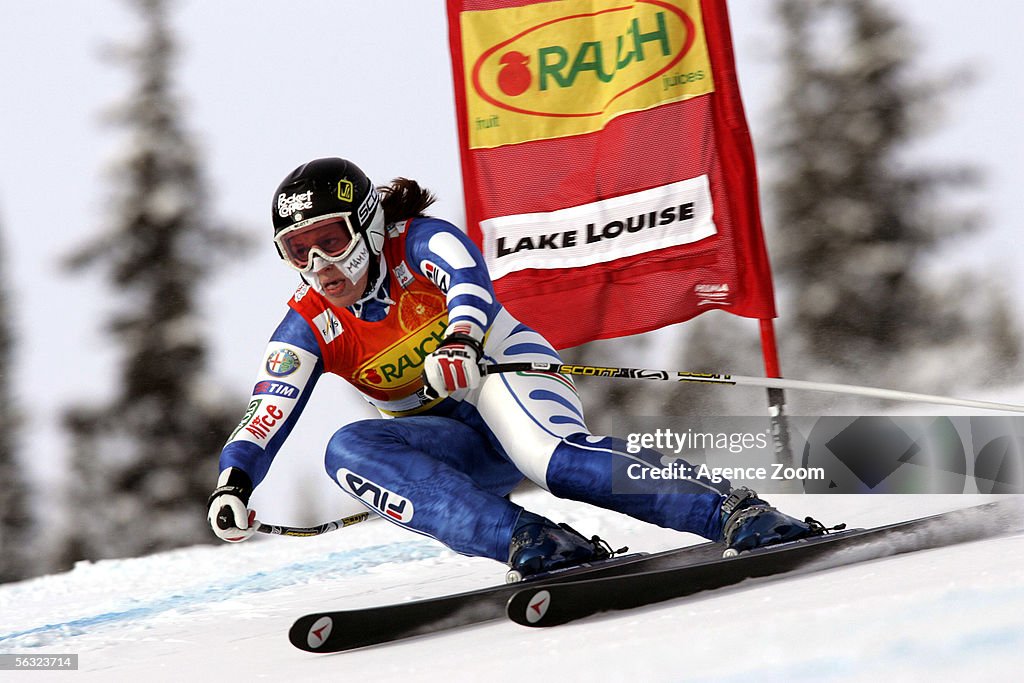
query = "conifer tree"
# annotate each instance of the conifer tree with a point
(854, 224)
(19, 556)
(144, 463)
(856, 220)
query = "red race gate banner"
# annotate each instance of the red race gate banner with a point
(607, 165)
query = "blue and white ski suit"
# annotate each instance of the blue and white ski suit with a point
(443, 467)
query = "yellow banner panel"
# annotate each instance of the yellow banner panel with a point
(554, 69)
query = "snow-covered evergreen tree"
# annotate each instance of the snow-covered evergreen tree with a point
(856, 219)
(17, 559)
(144, 463)
(854, 224)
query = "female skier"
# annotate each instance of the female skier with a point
(401, 306)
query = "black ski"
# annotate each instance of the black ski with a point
(550, 605)
(336, 631)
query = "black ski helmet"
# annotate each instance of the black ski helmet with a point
(325, 187)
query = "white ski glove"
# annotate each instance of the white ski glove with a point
(455, 364)
(228, 515)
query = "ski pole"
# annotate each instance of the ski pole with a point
(768, 382)
(303, 531)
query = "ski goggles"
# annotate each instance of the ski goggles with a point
(332, 237)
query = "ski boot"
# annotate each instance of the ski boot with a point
(539, 545)
(749, 522)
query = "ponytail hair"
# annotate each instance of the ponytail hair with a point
(404, 199)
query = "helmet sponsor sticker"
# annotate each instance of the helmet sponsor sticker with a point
(282, 362)
(389, 503)
(289, 204)
(346, 190)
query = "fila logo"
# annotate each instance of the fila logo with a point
(328, 325)
(436, 274)
(387, 502)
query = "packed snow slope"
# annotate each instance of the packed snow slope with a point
(221, 613)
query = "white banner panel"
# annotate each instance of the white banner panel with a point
(610, 229)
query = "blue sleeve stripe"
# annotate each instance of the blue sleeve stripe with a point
(544, 395)
(563, 420)
(526, 347)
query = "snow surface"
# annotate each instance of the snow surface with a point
(222, 612)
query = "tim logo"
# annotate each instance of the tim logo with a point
(282, 389)
(387, 502)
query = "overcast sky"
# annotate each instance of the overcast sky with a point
(271, 84)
